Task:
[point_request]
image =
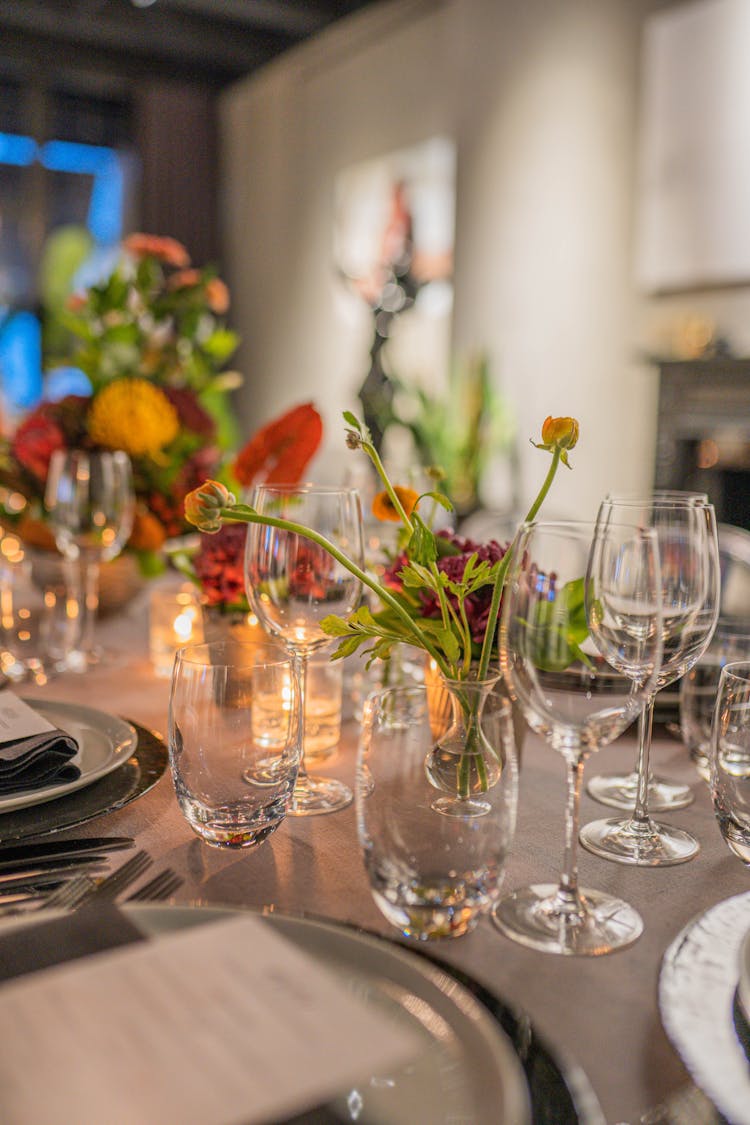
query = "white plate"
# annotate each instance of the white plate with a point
(104, 743)
(468, 1071)
(697, 987)
(743, 987)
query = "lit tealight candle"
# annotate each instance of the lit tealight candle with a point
(175, 620)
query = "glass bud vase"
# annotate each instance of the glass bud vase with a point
(470, 752)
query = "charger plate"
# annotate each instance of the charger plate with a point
(143, 767)
(409, 981)
(697, 989)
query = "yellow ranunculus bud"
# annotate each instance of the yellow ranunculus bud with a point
(562, 432)
(203, 504)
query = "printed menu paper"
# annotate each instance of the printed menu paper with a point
(220, 1024)
(18, 720)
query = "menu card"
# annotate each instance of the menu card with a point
(220, 1024)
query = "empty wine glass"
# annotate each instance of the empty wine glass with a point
(580, 650)
(689, 554)
(619, 790)
(729, 758)
(90, 500)
(293, 583)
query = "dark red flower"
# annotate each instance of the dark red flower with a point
(477, 604)
(219, 565)
(35, 440)
(192, 415)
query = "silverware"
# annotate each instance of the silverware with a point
(108, 889)
(157, 889)
(46, 876)
(13, 855)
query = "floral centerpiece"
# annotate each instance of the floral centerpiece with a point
(153, 342)
(442, 595)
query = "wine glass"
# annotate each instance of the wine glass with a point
(293, 583)
(90, 500)
(729, 758)
(689, 553)
(619, 790)
(580, 646)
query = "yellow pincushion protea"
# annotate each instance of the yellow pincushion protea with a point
(133, 415)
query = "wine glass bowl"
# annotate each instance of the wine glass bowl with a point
(91, 504)
(293, 583)
(580, 649)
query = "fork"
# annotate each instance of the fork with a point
(160, 887)
(83, 889)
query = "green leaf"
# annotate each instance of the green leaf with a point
(441, 499)
(421, 547)
(334, 626)
(352, 420)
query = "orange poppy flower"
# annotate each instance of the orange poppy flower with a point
(280, 451)
(562, 432)
(383, 507)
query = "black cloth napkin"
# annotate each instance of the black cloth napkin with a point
(37, 761)
(90, 929)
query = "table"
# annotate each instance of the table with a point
(600, 1012)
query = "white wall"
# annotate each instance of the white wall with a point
(542, 100)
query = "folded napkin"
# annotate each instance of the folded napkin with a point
(37, 761)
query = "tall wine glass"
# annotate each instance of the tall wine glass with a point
(689, 552)
(580, 650)
(90, 499)
(619, 790)
(293, 583)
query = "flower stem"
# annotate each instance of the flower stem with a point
(372, 453)
(497, 593)
(240, 513)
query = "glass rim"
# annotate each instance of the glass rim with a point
(306, 487)
(590, 526)
(657, 500)
(439, 685)
(189, 653)
(737, 670)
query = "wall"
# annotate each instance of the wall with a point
(542, 99)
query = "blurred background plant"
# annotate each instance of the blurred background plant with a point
(457, 431)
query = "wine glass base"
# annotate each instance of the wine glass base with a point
(533, 916)
(314, 796)
(648, 845)
(461, 807)
(620, 790)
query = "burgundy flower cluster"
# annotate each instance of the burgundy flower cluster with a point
(220, 566)
(477, 605)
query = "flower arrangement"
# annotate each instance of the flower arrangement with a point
(442, 595)
(152, 341)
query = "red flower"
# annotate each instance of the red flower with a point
(35, 440)
(192, 415)
(280, 452)
(219, 565)
(477, 604)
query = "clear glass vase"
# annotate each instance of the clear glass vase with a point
(464, 763)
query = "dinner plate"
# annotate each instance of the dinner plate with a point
(105, 742)
(699, 980)
(743, 984)
(468, 1070)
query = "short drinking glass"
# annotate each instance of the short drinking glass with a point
(431, 875)
(214, 744)
(730, 758)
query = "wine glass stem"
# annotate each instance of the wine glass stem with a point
(300, 660)
(90, 600)
(568, 889)
(645, 730)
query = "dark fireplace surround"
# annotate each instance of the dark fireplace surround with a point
(703, 436)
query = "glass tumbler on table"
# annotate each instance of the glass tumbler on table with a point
(689, 557)
(431, 875)
(91, 504)
(729, 758)
(213, 741)
(698, 689)
(580, 645)
(293, 583)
